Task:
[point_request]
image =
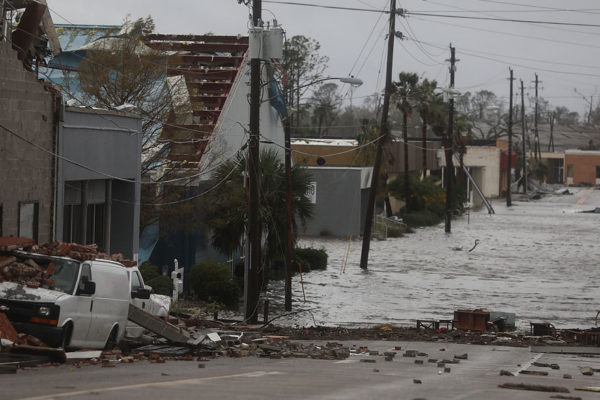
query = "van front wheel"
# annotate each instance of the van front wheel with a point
(111, 342)
(66, 336)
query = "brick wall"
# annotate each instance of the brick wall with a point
(26, 173)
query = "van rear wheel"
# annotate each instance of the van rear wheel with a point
(111, 342)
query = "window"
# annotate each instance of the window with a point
(569, 170)
(95, 224)
(86, 276)
(597, 177)
(136, 282)
(0, 219)
(28, 220)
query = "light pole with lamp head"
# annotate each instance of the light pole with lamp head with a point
(354, 82)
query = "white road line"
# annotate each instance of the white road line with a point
(256, 374)
(528, 364)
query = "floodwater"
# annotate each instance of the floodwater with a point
(539, 260)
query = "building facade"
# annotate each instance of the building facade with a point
(582, 167)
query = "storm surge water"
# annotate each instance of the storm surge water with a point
(538, 260)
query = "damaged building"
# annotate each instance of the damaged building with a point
(69, 173)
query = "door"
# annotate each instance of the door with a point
(136, 283)
(84, 303)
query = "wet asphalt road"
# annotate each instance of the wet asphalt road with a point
(260, 378)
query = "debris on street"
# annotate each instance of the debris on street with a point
(537, 388)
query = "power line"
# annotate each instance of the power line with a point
(293, 3)
(511, 34)
(526, 21)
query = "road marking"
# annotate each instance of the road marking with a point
(256, 374)
(528, 364)
(584, 198)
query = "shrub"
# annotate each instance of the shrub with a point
(161, 285)
(422, 218)
(212, 282)
(149, 271)
(311, 259)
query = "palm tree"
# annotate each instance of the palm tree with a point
(406, 90)
(227, 205)
(425, 93)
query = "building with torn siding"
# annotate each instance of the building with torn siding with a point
(98, 179)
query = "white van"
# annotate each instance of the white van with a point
(86, 305)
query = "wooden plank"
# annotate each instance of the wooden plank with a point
(536, 388)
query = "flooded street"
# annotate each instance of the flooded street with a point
(537, 259)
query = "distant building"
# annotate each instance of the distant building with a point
(582, 167)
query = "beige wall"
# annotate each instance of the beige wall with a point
(584, 166)
(486, 162)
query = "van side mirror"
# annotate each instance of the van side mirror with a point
(141, 293)
(89, 288)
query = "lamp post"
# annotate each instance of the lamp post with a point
(354, 82)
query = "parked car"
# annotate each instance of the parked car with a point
(75, 304)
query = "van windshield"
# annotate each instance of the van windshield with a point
(65, 275)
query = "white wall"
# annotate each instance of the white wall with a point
(488, 159)
(231, 132)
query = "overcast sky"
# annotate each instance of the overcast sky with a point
(564, 57)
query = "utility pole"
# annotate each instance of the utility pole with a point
(537, 150)
(509, 155)
(254, 234)
(383, 135)
(551, 142)
(288, 207)
(449, 147)
(523, 139)
(590, 103)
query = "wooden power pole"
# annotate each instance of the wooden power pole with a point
(254, 234)
(509, 155)
(383, 135)
(523, 138)
(449, 147)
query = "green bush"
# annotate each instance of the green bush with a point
(422, 218)
(424, 194)
(161, 285)
(311, 259)
(149, 271)
(212, 282)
